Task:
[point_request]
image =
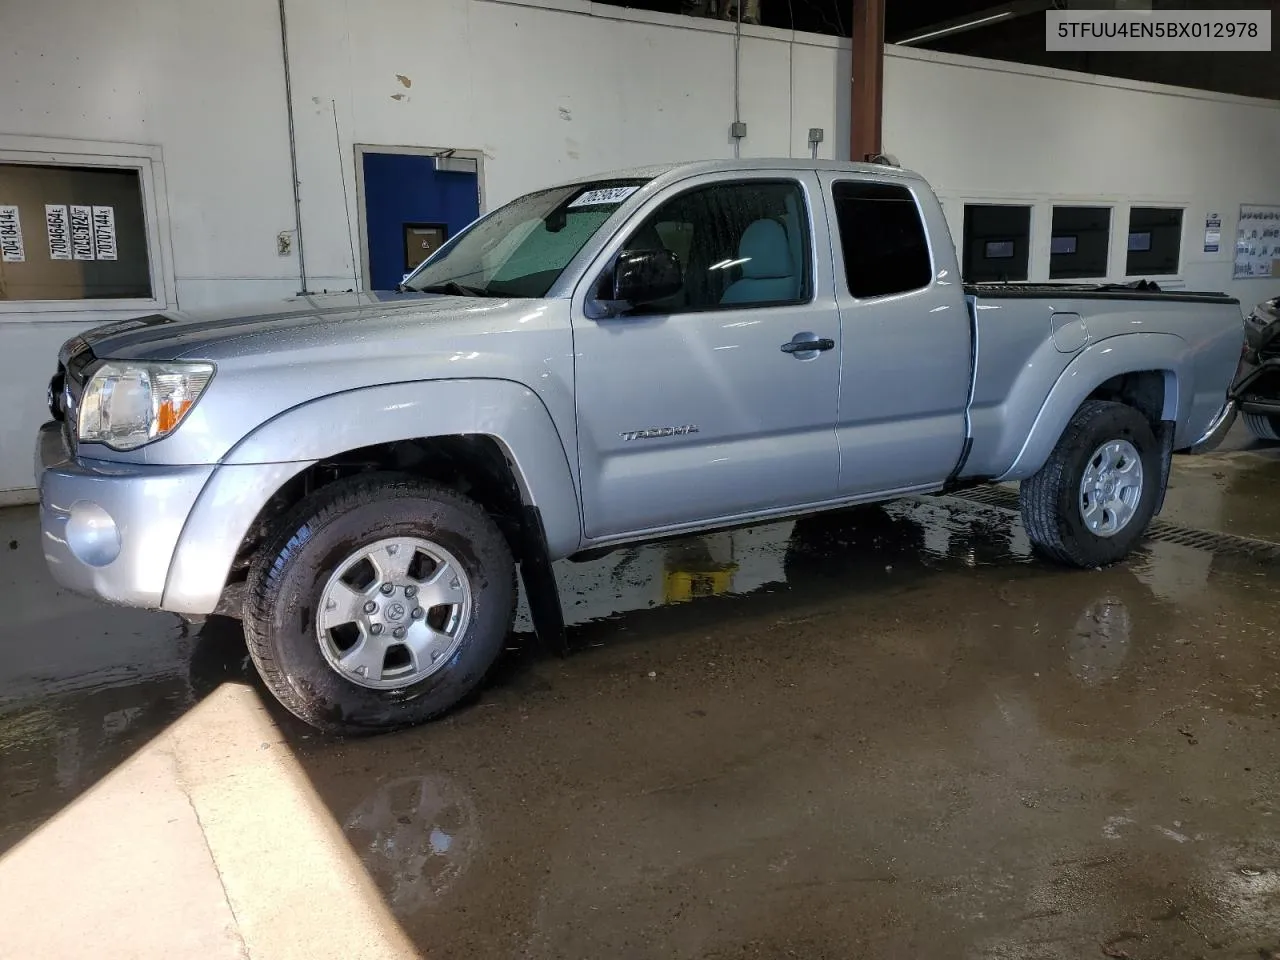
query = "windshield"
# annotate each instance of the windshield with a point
(521, 249)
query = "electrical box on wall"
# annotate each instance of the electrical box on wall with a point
(737, 129)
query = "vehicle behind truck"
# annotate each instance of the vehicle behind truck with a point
(618, 359)
(1256, 390)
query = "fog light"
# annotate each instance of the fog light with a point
(92, 535)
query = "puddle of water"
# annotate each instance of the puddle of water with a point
(416, 836)
(1230, 491)
(60, 732)
(863, 549)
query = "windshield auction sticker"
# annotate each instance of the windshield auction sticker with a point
(605, 195)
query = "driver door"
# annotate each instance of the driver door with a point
(700, 409)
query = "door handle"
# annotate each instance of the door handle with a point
(809, 345)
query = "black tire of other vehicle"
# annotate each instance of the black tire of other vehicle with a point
(1051, 499)
(289, 574)
(1263, 426)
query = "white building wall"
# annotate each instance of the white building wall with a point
(980, 130)
(547, 93)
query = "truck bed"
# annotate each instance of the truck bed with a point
(1094, 291)
(1027, 335)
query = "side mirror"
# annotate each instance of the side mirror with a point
(641, 277)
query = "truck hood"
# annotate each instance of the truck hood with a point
(208, 334)
(274, 358)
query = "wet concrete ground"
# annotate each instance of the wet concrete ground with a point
(891, 734)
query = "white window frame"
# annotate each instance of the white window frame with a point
(1042, 229)
(1032, 200)
(1104, 204)
(148, 161)
(1179, 277)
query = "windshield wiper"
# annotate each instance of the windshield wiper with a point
(452, 287)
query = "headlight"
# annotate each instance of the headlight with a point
(126, 405)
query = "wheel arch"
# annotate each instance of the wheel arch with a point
(1147, 371)
(493, 440)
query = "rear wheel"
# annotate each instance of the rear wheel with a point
(1263, 426)
(381, 603)
(1090, 503)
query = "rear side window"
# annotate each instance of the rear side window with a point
(885, 250)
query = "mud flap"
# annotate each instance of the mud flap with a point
(1165, 436)
(540, 587)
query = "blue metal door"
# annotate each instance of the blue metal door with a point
(406, 199)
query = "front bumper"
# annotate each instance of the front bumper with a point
(109, 530)
(148, 535)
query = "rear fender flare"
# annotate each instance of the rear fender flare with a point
(1093, 366)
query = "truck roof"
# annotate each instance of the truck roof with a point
(679, 171)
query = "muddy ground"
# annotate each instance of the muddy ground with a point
(889, 732)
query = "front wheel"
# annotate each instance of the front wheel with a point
(1090, 504)
(381, 602)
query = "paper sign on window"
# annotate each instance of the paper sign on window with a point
(82, 232)
(11, 250)
(604, 195)
(1257, 241)
(104, 233)
(59, 230)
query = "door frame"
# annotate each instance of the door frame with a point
(360, 149)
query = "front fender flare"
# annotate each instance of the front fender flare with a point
(1093, 366)
(251, 473)
(507, 411)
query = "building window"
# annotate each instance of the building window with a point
(741, 244)
(997, 242)
(882, 239)
(72, 233)
(1155, 241)
(1081, 238)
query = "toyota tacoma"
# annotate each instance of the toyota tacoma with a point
(359, 477)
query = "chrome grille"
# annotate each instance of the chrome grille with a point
(66, 387)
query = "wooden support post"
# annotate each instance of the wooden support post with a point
(867, 99)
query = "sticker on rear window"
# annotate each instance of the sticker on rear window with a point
(595, 198)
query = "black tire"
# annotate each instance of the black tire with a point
(289, 574)
(1263, 426)
(1050, 499)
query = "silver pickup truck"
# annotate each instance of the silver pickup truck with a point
(608, 361)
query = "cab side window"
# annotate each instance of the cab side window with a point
(741, 244)
(882, 238)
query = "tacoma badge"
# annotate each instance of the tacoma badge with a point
(654, 432)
